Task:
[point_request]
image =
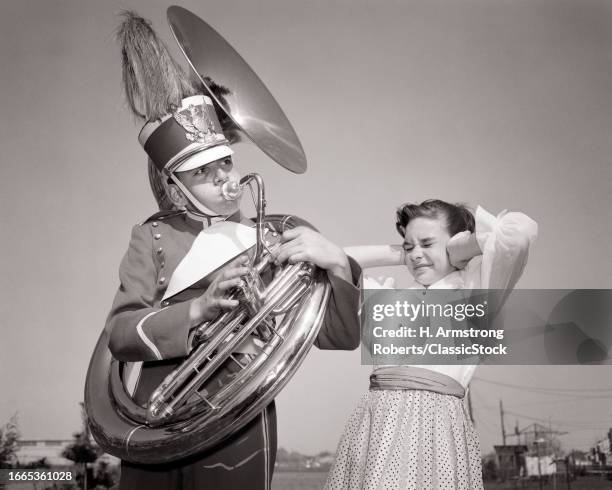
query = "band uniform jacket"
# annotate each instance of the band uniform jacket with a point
(143, 327)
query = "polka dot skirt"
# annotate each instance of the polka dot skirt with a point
(407, 439)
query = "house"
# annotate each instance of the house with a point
(31, 450)
(510, 460)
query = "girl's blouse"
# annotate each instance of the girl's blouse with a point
(504, 241)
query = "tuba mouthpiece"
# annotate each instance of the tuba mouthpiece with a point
(231, 190)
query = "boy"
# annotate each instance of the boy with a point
(185, 142)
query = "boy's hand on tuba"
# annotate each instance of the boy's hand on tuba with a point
(302, 244)
(214, 300)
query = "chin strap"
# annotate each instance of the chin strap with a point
(195, 209)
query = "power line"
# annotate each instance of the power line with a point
(565, 423)
(557, 400)
(556, 391)
(573, 426)
(482, 401)
(589, 428)
(480, 406)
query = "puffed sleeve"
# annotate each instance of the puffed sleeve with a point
(139, 329)
(340, 329)
(504, 241)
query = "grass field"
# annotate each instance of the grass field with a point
(581, 483)
(315, 481)
(298, 481)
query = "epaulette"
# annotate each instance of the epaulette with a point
(162, 215)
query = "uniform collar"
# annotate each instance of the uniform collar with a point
(198, 225)
(454, 280)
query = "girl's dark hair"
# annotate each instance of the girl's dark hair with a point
(458, 216)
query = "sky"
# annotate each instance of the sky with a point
(498, 103)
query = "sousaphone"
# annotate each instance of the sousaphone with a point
(282, 306)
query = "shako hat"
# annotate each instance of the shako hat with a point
(182, 130)
(186, 139)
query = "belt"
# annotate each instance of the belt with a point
(414, 378)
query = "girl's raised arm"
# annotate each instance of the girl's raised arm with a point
(504, 240)
(376, 255)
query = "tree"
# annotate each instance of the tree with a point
(37, 464)
(9, 435)
(106, 476)
(82, 451)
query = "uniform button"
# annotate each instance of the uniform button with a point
(157, 236)
(162, 264)
(160, 250)
(165, 302)
(162, 280)
(155, 224)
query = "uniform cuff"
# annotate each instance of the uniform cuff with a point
(166, 332)
(354, 285)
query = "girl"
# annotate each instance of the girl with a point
(411, 430)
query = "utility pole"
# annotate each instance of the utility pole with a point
(537, 444)
(538, 432)
(501, 413)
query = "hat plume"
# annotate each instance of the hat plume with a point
(154, 83)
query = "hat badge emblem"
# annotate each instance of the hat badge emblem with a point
(198, 124)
